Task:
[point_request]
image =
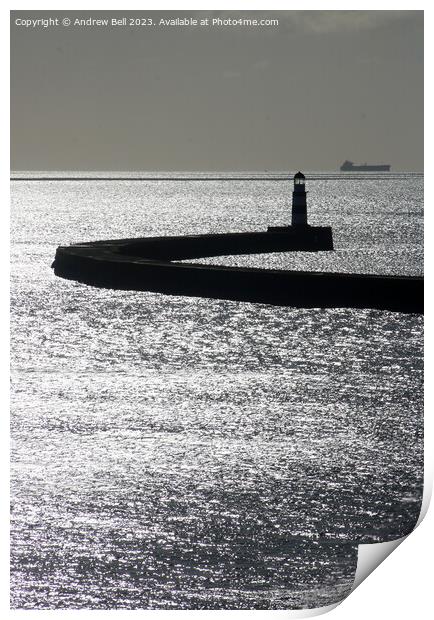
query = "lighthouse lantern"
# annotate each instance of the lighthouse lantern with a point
(299, 179)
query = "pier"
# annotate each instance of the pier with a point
(148, 264)
(151, 264)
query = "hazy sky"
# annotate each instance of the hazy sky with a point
(321, 87)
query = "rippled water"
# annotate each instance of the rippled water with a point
(175, 452)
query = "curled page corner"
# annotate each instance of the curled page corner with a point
(370, 556)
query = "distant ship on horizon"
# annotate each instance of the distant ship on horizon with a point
(348, 166)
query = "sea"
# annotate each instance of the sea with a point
(189, 453)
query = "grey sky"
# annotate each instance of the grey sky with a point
(321, 87)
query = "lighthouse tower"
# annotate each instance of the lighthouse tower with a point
(299, 207)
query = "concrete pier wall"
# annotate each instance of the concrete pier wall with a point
(305, 239)
(145, 265)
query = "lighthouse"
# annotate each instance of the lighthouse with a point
(298, 236)
(299, 207)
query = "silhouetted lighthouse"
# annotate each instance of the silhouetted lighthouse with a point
(299, 207)
(299, 236)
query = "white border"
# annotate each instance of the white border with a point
(400, 587)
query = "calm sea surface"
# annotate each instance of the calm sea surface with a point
(187, 453)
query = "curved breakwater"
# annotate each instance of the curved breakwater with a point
(148, 264)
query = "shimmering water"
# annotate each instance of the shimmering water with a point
(172, 452)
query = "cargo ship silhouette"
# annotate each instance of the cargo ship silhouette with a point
(348, 166)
